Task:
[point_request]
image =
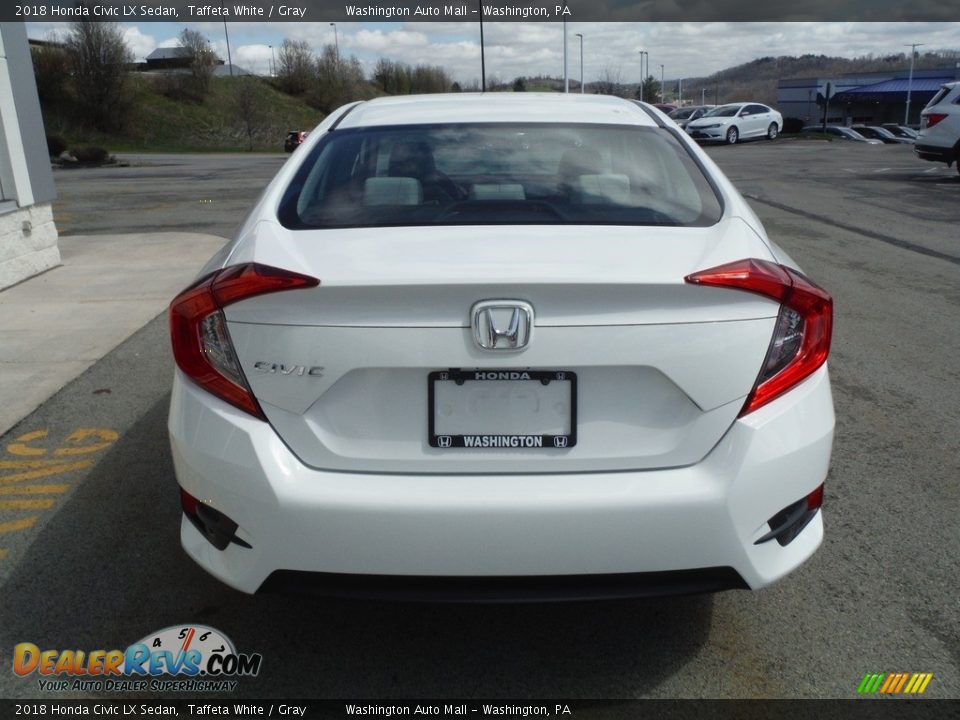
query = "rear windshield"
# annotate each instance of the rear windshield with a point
(488, 174)
(941, 93)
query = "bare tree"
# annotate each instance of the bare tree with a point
(247, 107)
(97, 56)
(396, 78)
(203, 61)
(295, 67)
(338, 80)
(50, 69)
(609, 83)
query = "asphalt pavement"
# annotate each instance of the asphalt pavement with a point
(101, 566)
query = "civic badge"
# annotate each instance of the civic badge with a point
(502, 324)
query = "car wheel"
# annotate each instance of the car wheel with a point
(772, 132)
(732, 136)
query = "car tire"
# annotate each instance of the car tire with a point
(772, 131)
(732, 136)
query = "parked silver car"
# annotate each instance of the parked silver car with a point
(736, 121)
(683, 115)
(839, 132)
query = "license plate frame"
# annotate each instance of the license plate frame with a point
(495, 441)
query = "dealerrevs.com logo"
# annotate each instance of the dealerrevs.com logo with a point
(181, 658)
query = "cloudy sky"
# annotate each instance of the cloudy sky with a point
(528, 48)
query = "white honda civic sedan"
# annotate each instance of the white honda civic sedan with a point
(501, 347)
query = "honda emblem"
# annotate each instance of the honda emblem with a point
(502, 324)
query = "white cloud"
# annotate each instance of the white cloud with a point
(140, 45)
(253, 58)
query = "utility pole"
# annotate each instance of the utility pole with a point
(566, 78)
(827, 94)
(663, 97)
(336, 44)
(580, 35)
(642, 77)
(273, 63)
(483, 60)
(913, 51)
(227, 35)
(680, 91)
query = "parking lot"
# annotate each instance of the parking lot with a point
(96, 562)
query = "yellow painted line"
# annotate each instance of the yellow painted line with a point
(106, 438)
(36, 504)
(20, 447)
(926, 681)
(44, 472)
(22, 464)
(48, 489)
(15, 525)
(911, 684)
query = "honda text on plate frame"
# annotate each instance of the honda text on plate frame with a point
(547, 350)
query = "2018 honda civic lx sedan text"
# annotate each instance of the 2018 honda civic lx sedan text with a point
(500, 347)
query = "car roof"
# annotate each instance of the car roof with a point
(496, 107)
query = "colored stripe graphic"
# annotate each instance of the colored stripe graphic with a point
(871, 682)
(894, 683)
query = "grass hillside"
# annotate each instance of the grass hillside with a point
(158, 123)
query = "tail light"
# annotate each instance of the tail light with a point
(801, 337)
(932, 119)
(198, 330)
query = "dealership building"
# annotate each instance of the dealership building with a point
(28, 236)
(862, 97)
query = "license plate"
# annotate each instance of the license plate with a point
(502, 409)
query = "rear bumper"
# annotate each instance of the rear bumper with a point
(556, 528)
(531, 588)
(935, 153)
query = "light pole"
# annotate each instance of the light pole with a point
(580, 35)
(483, 58)
(566, 79)
(642, 77)
(273, 63)
(227, 36)
(336, 43)
(662, 96)
(913, 51)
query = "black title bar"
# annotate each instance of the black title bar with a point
(261, 11)
(447, 709)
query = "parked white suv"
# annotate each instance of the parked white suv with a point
(939, 138)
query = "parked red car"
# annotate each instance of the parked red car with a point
(294, 140)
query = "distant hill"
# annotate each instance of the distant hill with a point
(757, 79)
